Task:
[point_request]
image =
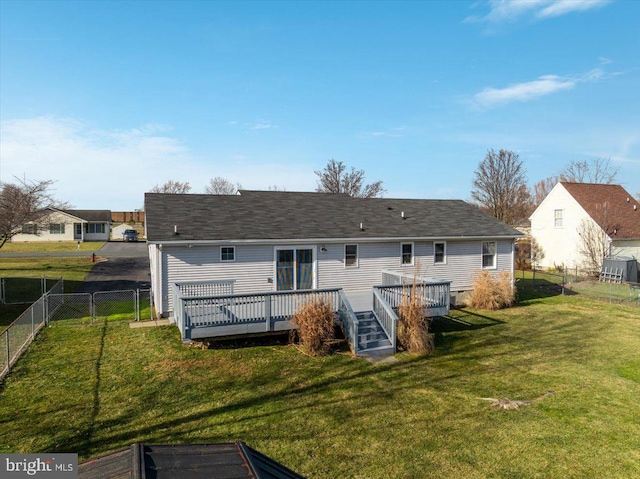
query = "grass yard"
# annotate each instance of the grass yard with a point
(73, 270)
(95, 388)
(46, 246)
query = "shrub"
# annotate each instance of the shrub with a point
(413, 328)
(315, 321)
(492, 293)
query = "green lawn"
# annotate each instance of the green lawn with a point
(46, 246)
(96, 388)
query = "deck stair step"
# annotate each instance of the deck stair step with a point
(372, 340)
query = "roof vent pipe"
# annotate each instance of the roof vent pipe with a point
(402, 214)
(361, 227)
(635, 207)
(175, 229)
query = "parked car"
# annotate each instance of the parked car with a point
(130, 235)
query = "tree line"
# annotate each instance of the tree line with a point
(500, 184)
(499, 188)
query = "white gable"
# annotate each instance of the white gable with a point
(560, 244)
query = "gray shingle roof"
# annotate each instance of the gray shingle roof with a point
(269, 215)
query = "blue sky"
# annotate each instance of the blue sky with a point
(111, 98)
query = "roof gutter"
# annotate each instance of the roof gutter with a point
(327, 240)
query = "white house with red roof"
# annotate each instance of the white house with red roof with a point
(560, 221)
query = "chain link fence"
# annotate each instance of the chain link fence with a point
(576, 281)
(15, 290)
(16, 338)
(70, 309)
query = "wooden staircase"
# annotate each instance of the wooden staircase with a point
(372, 339)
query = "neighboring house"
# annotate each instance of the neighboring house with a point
(68, 225)
(286, 241)
(573, 212)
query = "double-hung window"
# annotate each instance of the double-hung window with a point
(56, 228)
(406, 250)
(30, 229)
(351, 255)
(92, 228)
(227, 253)
(558, 218)
(488, 254)
(439, 252)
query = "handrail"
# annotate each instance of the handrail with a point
(386, 316)
(350, 323)
(435, 295)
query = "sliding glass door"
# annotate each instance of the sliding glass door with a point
(294, 268)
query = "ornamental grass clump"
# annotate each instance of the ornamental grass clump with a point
(413, 328)
(315, 321)
(491, 293)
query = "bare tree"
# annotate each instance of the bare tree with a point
(597, 170)
(221, 186)
(22, 207)
(336, 179)
(542, 189)
(499, 187)
(276, 188)
(594, 235)
(172, 186)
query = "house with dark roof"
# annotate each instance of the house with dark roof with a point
(67, 225)
(274, 242)
(574, 214)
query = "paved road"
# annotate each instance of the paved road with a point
(109, 250)
(126, 267)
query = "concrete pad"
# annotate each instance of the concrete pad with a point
(149, 324)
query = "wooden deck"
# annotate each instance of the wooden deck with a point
(205, 311)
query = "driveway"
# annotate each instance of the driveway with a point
(120, 266)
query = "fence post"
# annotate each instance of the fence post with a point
(2, 298)
(45, 308)
(137, 304)
(33, 326)
(92, 308)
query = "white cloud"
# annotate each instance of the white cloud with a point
(89, 165)
(543, 86)
(111, 169)
(395, 132)
(510, 10)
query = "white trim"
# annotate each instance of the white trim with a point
(444, 259)
(561, 217)
(344, 257)
(495, 255)
(314, 257)
(413, 254)
(312, 241)
(228, 260)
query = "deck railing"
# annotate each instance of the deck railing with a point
(435, 296)
(350, 323)
(386, 315)
(205, 288)
(244, 309)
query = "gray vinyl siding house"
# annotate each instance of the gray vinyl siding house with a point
(278, 241)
